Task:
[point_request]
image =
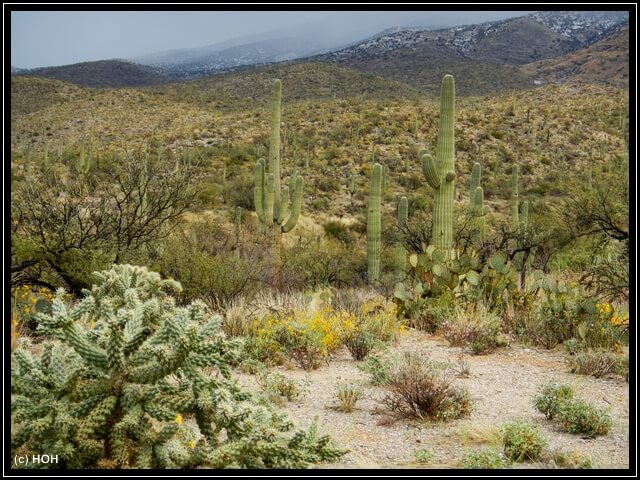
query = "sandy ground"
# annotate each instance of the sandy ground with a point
(502, 386)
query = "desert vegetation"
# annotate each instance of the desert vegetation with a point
(203, 279)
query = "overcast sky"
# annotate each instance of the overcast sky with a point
(40, 39)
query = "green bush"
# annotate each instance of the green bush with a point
(578, 416)
(485, 458)
(551, 397)
(132, 380)
(423, 456)
(522, 441)
(339, 231)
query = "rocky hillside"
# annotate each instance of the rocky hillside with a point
(31, 94)
(103, 73)
(482, 55)
(606, 61)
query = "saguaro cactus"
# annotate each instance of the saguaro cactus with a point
(272, 202)
(440, 175)
(401, 252)
(515, 197)
(374, 225)
(478, 211)
(475, 183)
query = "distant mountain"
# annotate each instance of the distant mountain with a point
(483, 56)
(103, 73)
(606, 61)
(210, 60)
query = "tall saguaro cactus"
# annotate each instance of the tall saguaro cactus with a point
(440, 174)
(515, 197)
(401, 251)
(274, 210)
(374, 225)
(276, 214)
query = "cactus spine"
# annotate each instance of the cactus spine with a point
(401, 252)
(440, 174)
(374, 225)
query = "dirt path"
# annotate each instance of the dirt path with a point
(502, 386)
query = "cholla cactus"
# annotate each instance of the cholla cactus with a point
(133, 380)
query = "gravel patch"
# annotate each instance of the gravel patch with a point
(502, 385)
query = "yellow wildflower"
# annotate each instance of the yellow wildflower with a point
(179, 419)
(191, 444)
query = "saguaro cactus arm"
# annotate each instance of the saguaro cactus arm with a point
(296, 205)
(475, 181)
(284, 206)
(430, 171)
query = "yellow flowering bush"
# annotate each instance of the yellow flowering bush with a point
(306, 337)
(605, 328)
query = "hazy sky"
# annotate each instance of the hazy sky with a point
(40, 39)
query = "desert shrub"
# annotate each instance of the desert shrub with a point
(348, 395)
(305, 336)
(423, 456)
(599, 363)
(359, 343)
(279, 386)
(133, 380)
(339, 231)
(571, 459)
(558, 314)
(379, 318)
(238, 319)
(522, 441)
(578, 416)
(198, 257)
(476, 327)
(379, 369)
(484, 458)
(605, 328)
(415, 388)
(239, 193)
(551, 397)
(328, 262)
